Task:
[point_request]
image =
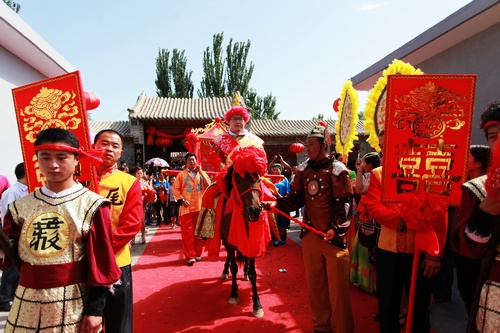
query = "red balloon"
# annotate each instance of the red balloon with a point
(296, 147)
(163, 142)
(91, 100)
(336, 104)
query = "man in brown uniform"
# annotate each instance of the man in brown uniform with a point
(323, 185)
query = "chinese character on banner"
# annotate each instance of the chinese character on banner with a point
(427, 135)
(55, 102)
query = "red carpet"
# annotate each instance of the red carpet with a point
(169, 296)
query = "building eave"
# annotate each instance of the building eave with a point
(464, 23)
(22, 41)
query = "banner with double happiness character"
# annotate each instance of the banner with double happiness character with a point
(55, 102)
(427, 135)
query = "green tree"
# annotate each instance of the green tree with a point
(212, 83)
(238, 75)
(269, 107)
(261, 108)
(253, 103)
(163, 86)
(180, 76)
(15, 6)
(320, 116)
(361, 116)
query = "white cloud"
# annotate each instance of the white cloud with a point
(366, 6)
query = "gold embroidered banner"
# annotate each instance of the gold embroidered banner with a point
(427, 135)
(54, 102)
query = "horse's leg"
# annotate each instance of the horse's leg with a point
(258, 312)
(233, 298)
(225, 271)
(245, 270)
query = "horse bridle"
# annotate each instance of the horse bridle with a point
(238, 196)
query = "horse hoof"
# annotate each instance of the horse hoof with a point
(258, 313)
(233, 300)
(224, 276)
(246, 278)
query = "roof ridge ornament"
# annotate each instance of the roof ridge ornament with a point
(236, 99)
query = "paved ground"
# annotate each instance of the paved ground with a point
(448, 317)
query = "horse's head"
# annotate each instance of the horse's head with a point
(249, 164)
(248, 189)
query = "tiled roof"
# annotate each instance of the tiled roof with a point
(275, 128)
(122, 127)
(149, 109)
(162, 108)
(260, 127)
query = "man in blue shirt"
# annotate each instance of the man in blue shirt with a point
(162, 187)
(283, 187)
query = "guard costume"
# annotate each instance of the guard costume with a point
(64, 267)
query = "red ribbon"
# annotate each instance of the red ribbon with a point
(92, 156)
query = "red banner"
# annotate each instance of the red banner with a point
(427, 135)
(54, 102)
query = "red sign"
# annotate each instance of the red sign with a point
(427, 135)
(54, 102)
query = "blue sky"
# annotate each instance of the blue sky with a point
(303, 51)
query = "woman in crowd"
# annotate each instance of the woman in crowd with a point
(148, 197)
(362, 263)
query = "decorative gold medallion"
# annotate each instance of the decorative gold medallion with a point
(313, 187)
(47, 235)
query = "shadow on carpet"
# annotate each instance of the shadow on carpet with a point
(169, 296)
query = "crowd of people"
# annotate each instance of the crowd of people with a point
(85, 268)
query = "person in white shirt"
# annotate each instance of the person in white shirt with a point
(10, 277)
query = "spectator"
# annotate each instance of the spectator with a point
(10, 276)
(173, 206)
(124, 167)
(148, 197)
(362, 258)
(283, 187)
(468, 254)
(295, 169)
(162, 187)
(480, 235)
(286, 169)
(4, 184)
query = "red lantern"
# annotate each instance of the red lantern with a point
(163, 142)
(336, 104)
(91, 100)
(296, 147)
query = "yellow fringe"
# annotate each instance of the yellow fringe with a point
(347, 117)
(377, 92)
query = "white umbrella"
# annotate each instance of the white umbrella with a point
(158, 162)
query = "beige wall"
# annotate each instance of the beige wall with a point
(13, 73)
(479, 55)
